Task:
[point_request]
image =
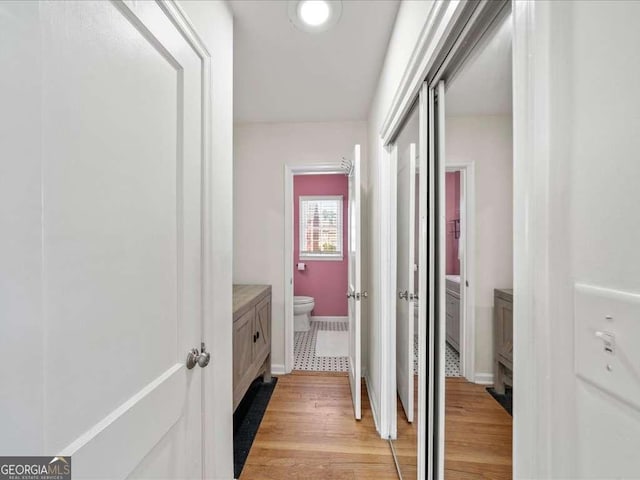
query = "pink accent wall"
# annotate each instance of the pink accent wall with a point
(325, 280)
(452, 186)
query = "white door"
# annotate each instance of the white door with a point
(406, 215)
(355, 293)
(101, 255)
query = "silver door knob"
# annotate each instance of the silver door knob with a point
(413, 296)
(404, 295)
(350, 295)
(204, 357)
(192, 358)
(195, 357)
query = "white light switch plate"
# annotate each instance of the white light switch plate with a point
(609, 312)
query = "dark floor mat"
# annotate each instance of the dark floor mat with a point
(247, 418)
(506, 399)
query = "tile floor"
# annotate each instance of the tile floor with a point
(304, 350)
(452, 360)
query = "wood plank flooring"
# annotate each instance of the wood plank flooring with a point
(478, 435)
(309, 432)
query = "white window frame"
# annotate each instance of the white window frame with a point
(339, 255)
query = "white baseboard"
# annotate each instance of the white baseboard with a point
(374, 405)
(483, 378)
(329, 319)
(277, 369)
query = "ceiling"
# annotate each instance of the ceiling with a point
(483, 86)
(282, 74)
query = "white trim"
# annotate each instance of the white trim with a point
(278, 369)
(387, 342)
(424, 54)
(289, 172)
(440, 285)
(532, 80)
(322, 258)
(467, 267)
(483, 378)
(424, 260)
(329, 319)
(372, 402)
(209, 212)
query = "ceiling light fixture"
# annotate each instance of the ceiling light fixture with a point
(314, 12)
(314, 15)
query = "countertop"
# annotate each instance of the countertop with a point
(245, 295)
(506, 293)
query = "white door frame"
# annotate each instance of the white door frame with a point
(289, 172)
(467, 267)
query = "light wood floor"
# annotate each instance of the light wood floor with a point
(478, 434)
(309, 432)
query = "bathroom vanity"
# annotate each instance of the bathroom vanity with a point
(503, 332)
(453, 311)
(251, 337)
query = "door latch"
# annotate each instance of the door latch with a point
(201, 357)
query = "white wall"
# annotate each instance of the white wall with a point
(594, 229)
(214, 23)
(486, 140)
(410, 21)
(261, 152)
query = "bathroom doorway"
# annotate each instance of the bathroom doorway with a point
(323, 295)
(320, 304)
(459, 269)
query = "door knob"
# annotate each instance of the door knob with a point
(195, 357)
(404, 295)
(204, 357)
(350, 295)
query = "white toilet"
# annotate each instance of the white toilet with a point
(302, 307)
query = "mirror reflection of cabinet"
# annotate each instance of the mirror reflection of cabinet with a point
(453, 314)
(503, 331)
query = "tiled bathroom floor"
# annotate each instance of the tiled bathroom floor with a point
(452, 360)
(304, 350)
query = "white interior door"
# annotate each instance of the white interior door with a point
(355, 283)
(101, 242)
(406, 194)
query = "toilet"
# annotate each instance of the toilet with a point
(302, 307)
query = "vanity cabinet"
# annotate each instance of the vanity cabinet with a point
(453, 314)
(503, 338)
(251, 337)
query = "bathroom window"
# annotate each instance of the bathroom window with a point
(321, 227)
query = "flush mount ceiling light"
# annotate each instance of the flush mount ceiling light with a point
(314, 15)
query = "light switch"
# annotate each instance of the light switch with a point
(607, 340)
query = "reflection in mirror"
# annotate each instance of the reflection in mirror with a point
(479, 260)
(407, 211)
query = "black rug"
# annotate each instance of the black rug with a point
(247, 418)
(506, 399)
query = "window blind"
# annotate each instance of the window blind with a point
(321, 226)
